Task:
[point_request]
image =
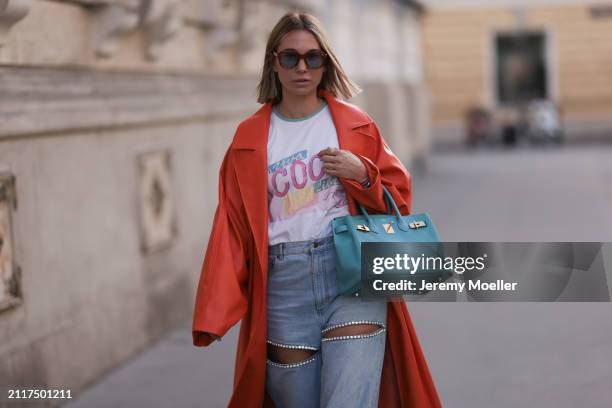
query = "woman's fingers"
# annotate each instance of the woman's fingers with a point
(331, 154)
(340, 163)
(335, 164)
(333, 173)
(329, 166)
(329, 150)
(326, 158)
(334, 170)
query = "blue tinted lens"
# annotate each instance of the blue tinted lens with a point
(289, 59)
(314, 59)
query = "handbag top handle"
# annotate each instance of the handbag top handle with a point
(388, 200)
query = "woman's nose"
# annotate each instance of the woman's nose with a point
(301, 66)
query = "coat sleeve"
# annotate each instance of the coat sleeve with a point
(221, 298)
(384, 168)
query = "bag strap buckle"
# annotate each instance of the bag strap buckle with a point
(417, 224)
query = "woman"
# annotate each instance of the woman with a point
(304, 158)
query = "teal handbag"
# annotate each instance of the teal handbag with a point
(350, 231)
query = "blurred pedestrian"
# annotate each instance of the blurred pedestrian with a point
(478, 126)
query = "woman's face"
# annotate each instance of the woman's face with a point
(292, 79)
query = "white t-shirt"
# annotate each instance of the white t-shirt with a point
(302, 199)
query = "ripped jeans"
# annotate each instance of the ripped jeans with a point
(338, 365)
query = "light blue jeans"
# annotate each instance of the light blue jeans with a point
(302, 306)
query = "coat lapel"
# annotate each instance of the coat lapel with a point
(250, 147)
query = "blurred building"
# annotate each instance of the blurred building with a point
(114, 117)
(494, 54)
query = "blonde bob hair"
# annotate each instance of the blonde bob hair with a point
(334, 79)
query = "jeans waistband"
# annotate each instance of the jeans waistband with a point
(301, 247)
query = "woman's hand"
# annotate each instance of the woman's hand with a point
(342, 163)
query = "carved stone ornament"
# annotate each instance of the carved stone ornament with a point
(10, 274)
(236, 26)
(204, 13)
(113, 20)
(157, 207)
(161, 20)
(158, 20)
(11, 11)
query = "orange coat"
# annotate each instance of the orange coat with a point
(233, 277)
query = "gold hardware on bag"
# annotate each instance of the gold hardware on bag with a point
(362, 227)
(417, 224)
(389, 228)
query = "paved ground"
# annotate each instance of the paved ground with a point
(501, 355)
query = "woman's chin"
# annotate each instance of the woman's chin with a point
(301, 91)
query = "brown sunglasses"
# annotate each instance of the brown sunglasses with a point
(290, 58)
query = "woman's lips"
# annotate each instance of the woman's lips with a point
(301, 81)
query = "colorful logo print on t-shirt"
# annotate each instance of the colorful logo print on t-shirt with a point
(300, 182)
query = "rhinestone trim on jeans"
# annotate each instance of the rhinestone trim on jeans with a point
(291, 365)
(292, 347)
(335, 326)
(354, 336)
